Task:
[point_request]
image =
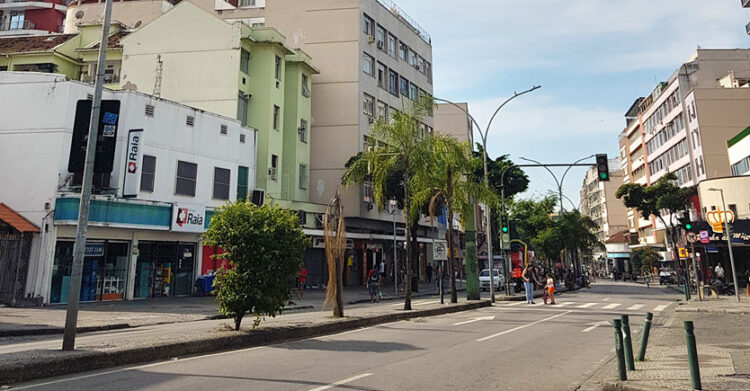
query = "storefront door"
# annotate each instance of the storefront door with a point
(104, 271)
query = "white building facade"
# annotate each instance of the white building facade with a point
(739, 153)
(171, 167)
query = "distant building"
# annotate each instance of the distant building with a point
(27, 17)
(739, 153)
(598, 201)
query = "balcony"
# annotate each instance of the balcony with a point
(14, 25)
(745, 3)
(21, 5)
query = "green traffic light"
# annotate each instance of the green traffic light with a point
(688, 226)
(603, 175)
(505, 229)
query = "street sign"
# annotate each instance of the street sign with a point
(691, 237)
(506, 241)
(704, 236)
(439, 251)
(682, 252)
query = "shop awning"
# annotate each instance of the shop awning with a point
(15, 220)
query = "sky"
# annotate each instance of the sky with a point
(593, 58)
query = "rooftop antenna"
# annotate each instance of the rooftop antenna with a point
(157, 80)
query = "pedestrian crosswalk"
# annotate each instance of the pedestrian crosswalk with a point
(655, 307)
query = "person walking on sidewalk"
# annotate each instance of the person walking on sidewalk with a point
(719, 272)
(372, 285)
(549, 290)
(528, 284)
(429, 273)
(301, 278)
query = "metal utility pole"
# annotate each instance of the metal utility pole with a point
(74, 291)
(394, 207)
(729, 242)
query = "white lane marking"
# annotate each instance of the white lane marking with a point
(660, 308)
(522, 327)
(564, 303)
(607, 299)
(427, 302)
(611, 306)
(512, 304)
(587, 305)
(136, 367)
(492, 317)
(635, 307)
(340, 382)
(595, 325)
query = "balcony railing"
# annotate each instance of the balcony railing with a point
(404, 17)
(17, 25)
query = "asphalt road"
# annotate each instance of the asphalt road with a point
(511, 345)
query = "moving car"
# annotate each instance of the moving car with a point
(497, 279)
(666, 277)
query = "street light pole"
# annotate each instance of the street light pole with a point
(394, 207)
(729, 242)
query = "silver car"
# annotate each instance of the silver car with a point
(498, 280)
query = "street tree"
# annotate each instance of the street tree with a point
(265, 246)
(396, 145)
(643, 259)
(335, 247)
(663, 200)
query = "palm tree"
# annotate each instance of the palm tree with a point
(396, 146)
(444, 183)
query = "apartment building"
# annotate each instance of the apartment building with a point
(26, 17)
(681, 127)
(598, 201)
(739, 153)
(161, 170)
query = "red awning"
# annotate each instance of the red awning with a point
(15, 220)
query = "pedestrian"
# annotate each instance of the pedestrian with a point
(549, 290)
(719, 272)
(372, 285)
(527, 276)
(429, 273)
(301, 278)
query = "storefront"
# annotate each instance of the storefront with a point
(105, 269)
(164, 269)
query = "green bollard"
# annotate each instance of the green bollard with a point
(618, 349)
(695, 371)
(627, 342)
(644, 336)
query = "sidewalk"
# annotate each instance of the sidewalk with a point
(723, 351)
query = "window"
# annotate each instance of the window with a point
(276, 117)
(428, 71)
(303, 176)
(247, 3)
(274, 167)
(186, 178)
(369, 25)
(413, 92)
(392, 82)
(391, 45)
(242, 138)
(244, 61)
(382, 110)
(148, 173)
(241, 109)
(243, 174)
(368, 64)
(277, 68)
(404, 86)
(149, 110)
(380, 37)
(733, 208)
(221, 183)
(412, 60)
(368, 105)
(381, 75)
(16, 20)
(741, 167)
(402, 50)
(190, 120)
(303, 131)
(305, 86)
(223, 130)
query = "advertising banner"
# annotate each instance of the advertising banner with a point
(188, 218)
(133, 163)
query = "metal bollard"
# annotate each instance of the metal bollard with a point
(644, 336)
(627, 342)
(618, 349)
(695, 372)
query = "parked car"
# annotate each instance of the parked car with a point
(497, 279)
(666, 277)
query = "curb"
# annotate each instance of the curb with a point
(57, 364)
(730, 311)
(622, 386)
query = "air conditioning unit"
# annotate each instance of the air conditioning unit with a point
(258, 197)
(370, 39)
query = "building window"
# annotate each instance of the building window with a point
(303, 176)
(274, 167)
(392, 82)
(733, 208)
(277, 68)
(420, 64)
(741, 167)
(381, 75)
(190, 120)
(243, 175)
(382, 110)
(248, 3)
(402, 50)
(223, 130)
(368, 105)
(186, 178)
(404, 86)
(369, 25)
(391, 45)
(221, 183)
(244, 61)
(149, 110)
(367, 192)
(242, 138)
(241, 109)
(305, 86)
(368, 64)
(412, 60)
(302, 130)
(148, 173)
(413, 92)
(276, 117)
(380, 37)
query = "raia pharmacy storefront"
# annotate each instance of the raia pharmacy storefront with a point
(134, 250)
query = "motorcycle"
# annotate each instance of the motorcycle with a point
(723, 288)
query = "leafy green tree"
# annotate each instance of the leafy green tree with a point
(663, 200)
(265, 246)
(643, 259)
(397, 146)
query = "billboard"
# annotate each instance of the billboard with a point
(109, 116)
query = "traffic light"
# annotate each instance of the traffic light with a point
(602, 167)
(685, 223)
(504, 226)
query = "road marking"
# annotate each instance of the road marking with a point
(607, 299)
(564, 303)
(522, 327)
(475, 320)
(340, 382)
(635, 307)
(587, 305)
(512, 304)
(660, 308)
(595, 325)
(611, 306)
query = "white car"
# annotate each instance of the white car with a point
(498, 280)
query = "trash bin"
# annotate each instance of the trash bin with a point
(208, 284)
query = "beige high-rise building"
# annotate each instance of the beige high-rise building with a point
(598, 201)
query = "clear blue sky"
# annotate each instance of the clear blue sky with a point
(593, 58)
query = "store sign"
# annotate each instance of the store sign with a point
(94, 250)
(133, 163)
(716, 219)
(439, 251)
(188, 218)
(703, 236)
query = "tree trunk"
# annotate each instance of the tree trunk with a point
(338, 306)
(407, 220)
(237, 322)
